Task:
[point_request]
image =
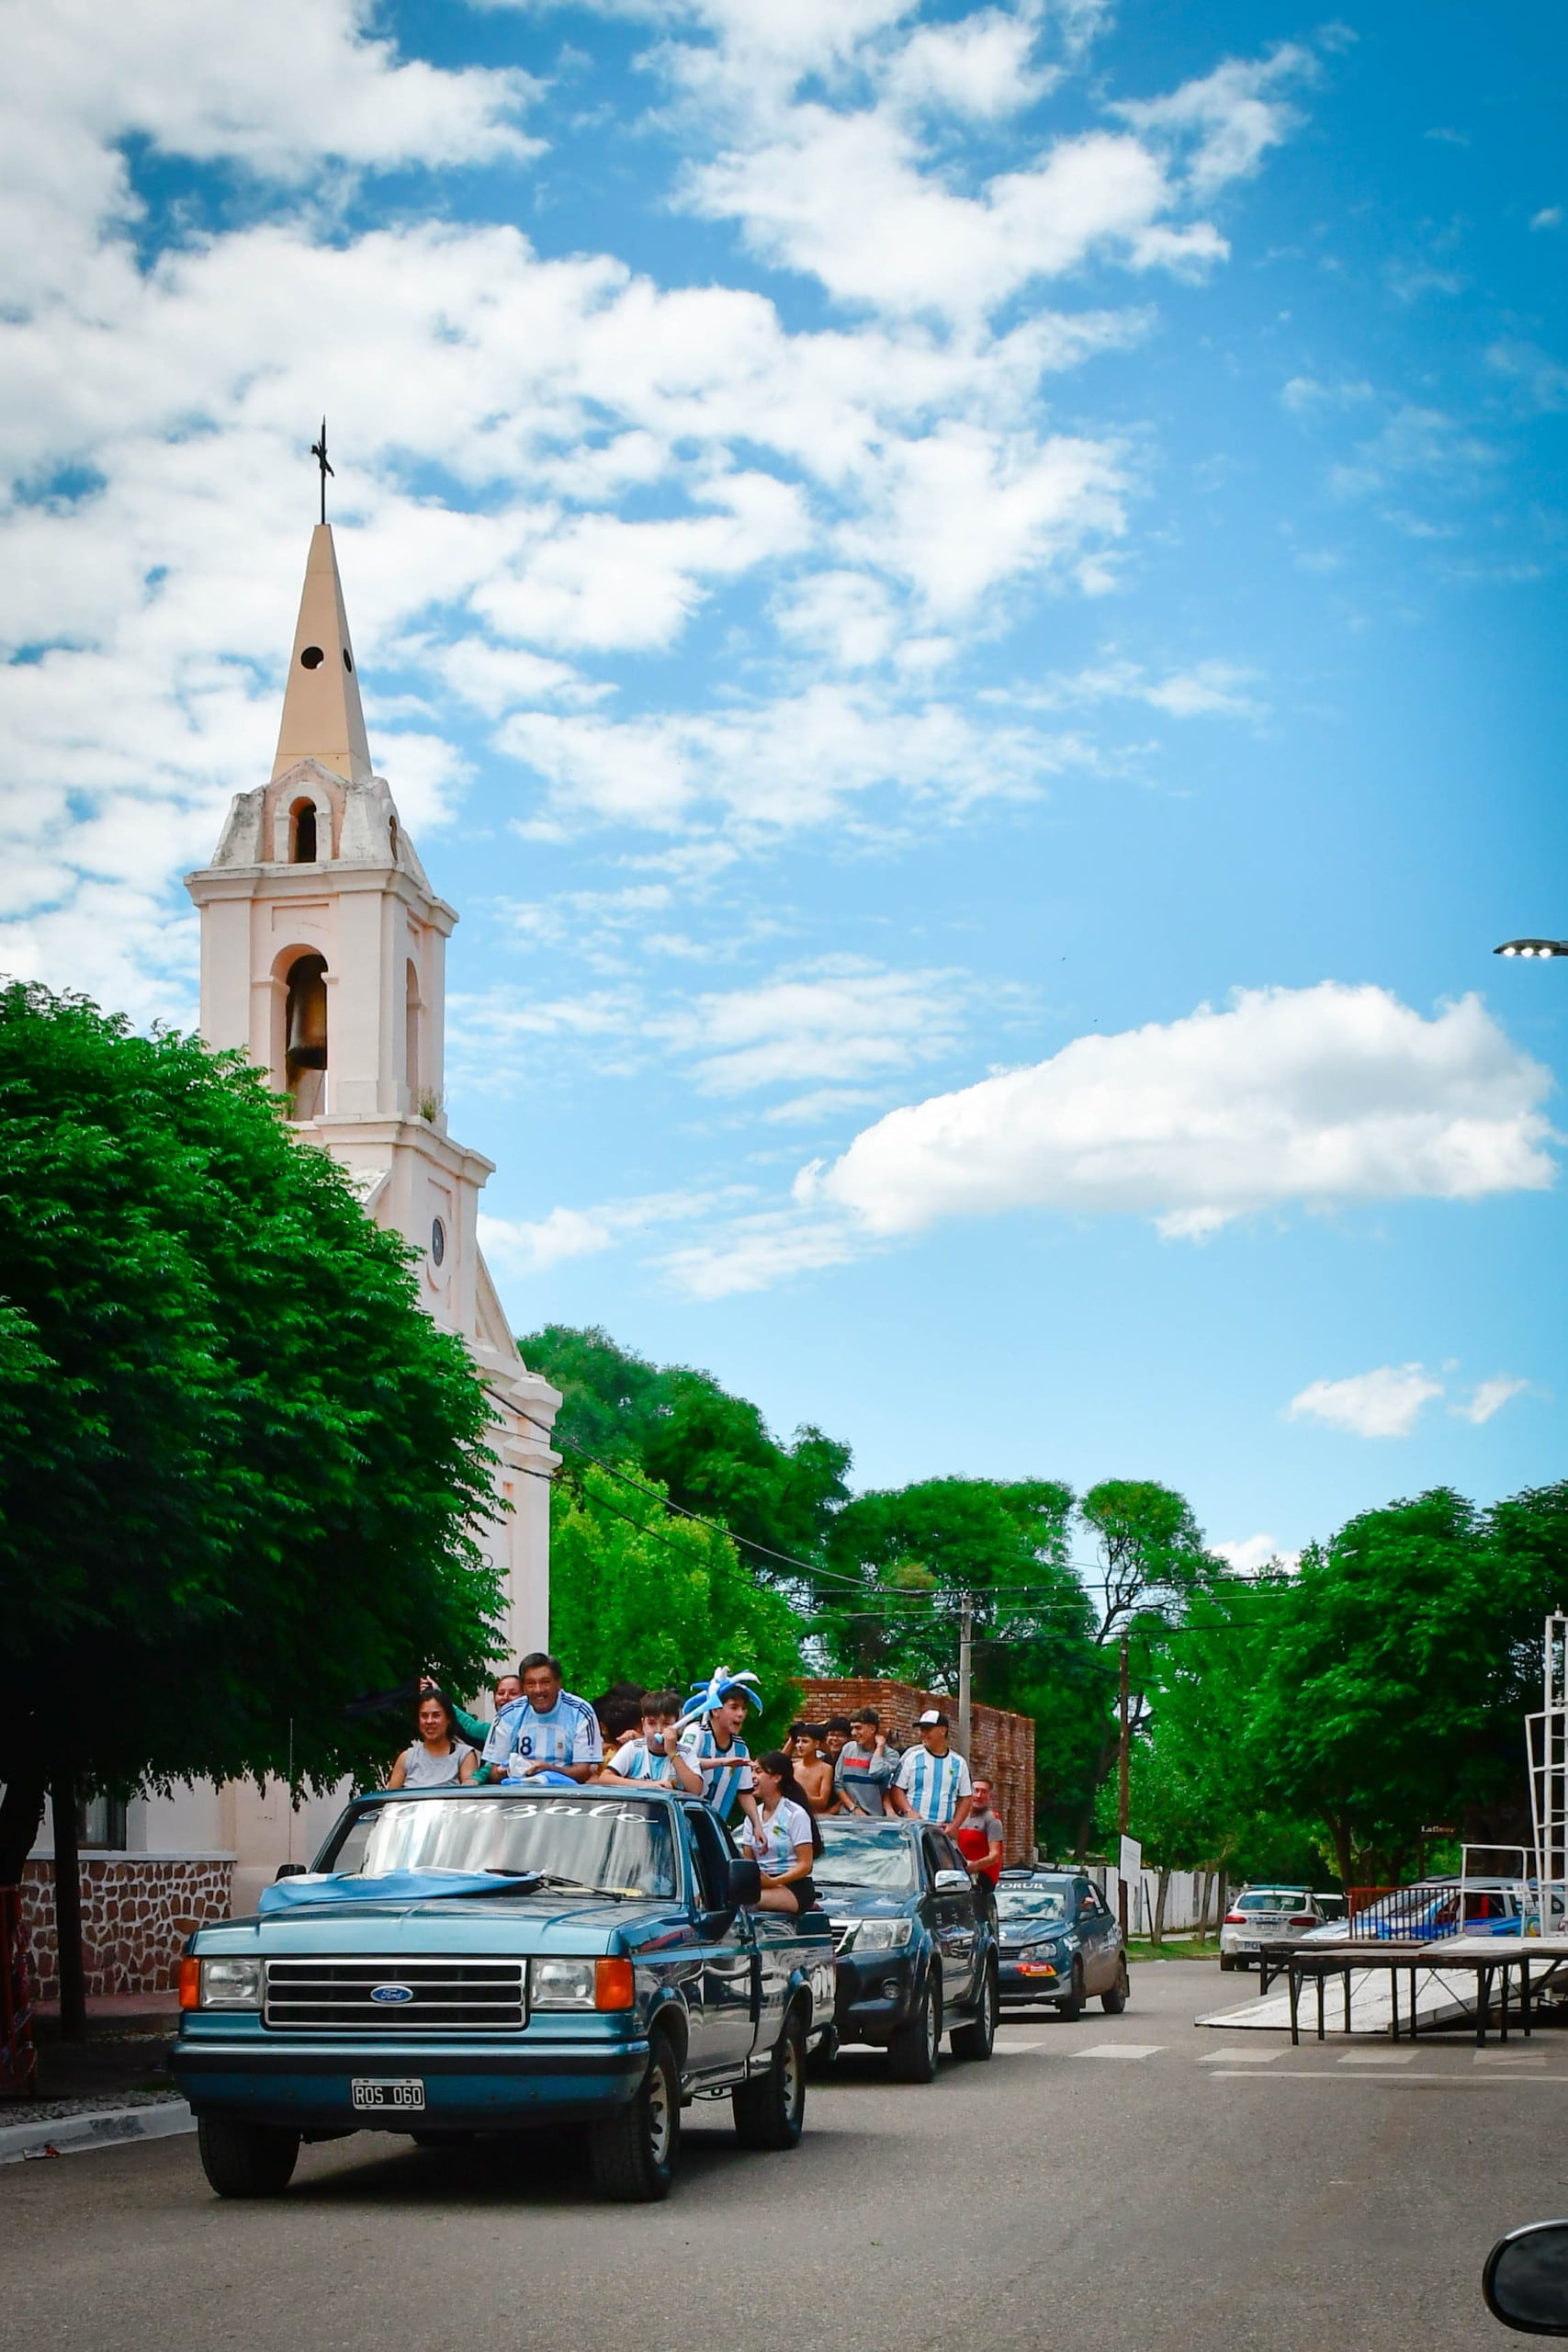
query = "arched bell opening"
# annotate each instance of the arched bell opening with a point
(303, 834)
(305, 1036)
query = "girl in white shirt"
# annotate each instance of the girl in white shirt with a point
(783, 1840)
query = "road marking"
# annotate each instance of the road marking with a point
(1017, 2049)
(1323, 2075)
(1379, 2058)
(1508, 2057)
(1238, 2057)
(1120, 2049)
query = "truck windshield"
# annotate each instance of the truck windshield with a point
(877, 1856)
(613, 1848)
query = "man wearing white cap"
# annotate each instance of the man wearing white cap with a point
(934, 1781)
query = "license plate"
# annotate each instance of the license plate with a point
(1252, 1947)
(409, 2096)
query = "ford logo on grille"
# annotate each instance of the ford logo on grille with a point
(391, 1993)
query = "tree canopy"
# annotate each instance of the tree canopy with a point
(238, 1464)
(712, 1451)
(638, 1593)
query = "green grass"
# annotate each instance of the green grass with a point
(1189, 1947)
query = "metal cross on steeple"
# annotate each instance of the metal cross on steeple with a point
(318, 451)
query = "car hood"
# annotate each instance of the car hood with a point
(859, 1903)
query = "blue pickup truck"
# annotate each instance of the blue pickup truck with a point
(494, 1961)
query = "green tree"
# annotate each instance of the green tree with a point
(1395, 1691)
(238, 1464)
(637, 1592)
(900, 1563)
(712, 1451)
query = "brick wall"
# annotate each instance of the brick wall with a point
(1002, 1743)
(136, 1910)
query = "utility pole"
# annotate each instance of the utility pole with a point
(966, 1671)
(1122, 1764)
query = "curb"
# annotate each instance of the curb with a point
(71, 2135)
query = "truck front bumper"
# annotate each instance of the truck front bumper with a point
(309, 2086)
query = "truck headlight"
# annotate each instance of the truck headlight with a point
(881, 1935)
(231, 1984)
(581, 1984)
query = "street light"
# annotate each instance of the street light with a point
(1532, 947)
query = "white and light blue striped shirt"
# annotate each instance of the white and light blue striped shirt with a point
(567, 1732)
(726, 1772)
(935, 1785)
(632, 1762)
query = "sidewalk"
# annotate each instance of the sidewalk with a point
(121, 2071)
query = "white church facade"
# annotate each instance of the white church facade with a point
(323, 952)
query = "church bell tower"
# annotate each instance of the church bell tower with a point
(323, 956)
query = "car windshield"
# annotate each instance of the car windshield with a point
(879, 1858)
(1270, 1898)
(1033, 1903)
(614, 1847)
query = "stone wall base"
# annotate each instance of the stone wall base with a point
(136, 1910)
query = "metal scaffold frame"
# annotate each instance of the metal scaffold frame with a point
(1546, 1732)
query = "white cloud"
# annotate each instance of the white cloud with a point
(1324, 1096)
(1231, 116)
(1209, 689)
(532, 1246)
(1489, 1398)
(1385, 1403)
(839, 1018)
(1250, 1553)
(1548, 217)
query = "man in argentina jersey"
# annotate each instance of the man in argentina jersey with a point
(933, 1782)
(713, 1761)
(649, 1758)
(547, 1730)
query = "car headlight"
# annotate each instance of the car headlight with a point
(561, 1984)
(881, 1935)
(1041, 1951)
(230, 1983)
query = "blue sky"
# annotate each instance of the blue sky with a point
(967, 602)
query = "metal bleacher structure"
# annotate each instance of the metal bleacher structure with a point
(1453, 1941)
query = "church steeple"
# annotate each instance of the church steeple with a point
(322, 718)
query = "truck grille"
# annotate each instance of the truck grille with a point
(443, 1995)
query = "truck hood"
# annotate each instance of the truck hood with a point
(385, 1924)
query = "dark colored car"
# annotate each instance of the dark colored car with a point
(916, 1944)
(463, 1961)
(1060, 1942)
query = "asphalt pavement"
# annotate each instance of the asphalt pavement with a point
(1127, 2180)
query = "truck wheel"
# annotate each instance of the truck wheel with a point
(246, 2159)
(978, 2039)
(1072, 2006)
(1116, 2000)
(770, 2110)
(911, 2053)
(633, 2155)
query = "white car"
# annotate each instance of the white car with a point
(1262, 1915)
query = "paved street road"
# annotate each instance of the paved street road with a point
(1122, 2180)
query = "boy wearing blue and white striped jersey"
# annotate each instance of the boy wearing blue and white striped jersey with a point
(649, 1757)
(547, 1730)
(933, 1782)
(713, 1761)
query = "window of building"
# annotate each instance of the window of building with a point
(101, 1825)
(305, 1031)
(302, 835)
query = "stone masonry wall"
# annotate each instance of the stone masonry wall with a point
(136, 1910)
(1001, 1743)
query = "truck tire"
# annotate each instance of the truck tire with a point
(770, 2110)
(1072, 2006)
(911, 2053)
(632, 2154)
(978, 2038)
(246, 2159)
(1116, 2000)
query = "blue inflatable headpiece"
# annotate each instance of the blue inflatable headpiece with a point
(709, 1696)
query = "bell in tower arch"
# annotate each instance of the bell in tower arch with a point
(305, 1032)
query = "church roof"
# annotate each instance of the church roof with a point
(322, 718)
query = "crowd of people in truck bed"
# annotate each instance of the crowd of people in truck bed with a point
(631, 1737)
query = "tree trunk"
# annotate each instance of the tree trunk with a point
(1161, 1891)
(1339, 1831)
(67, 1911)
(21, 1809)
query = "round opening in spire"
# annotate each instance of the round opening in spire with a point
(312, 658)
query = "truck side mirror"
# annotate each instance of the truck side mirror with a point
(292, 1869)
(1526, 2279)
(745, 1883)
(951, 1882)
